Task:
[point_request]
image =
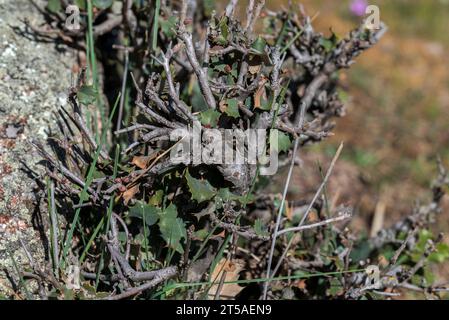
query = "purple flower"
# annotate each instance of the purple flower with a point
(358, 7)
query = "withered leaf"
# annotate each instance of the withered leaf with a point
(232, 269)
(130, 193)
(141, 161)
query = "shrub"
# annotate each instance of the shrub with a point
(142, 226)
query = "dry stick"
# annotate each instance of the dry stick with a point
(305, 103)
(200, 74)
(60, 167)
(54, 225)
(309, 208)
(183, 13)
(162, 275)
(108, 25)
(248, 234)
(223, 275)
(398, 252)
(127, 270)
(156, 117)
(249, 14)
(165, 62)
(253, 13)
(136, 127)
(77, 119)
(430, 248)
(315, 225)
(231, 8)
(27, 253)
(125, 229)
(144, 171)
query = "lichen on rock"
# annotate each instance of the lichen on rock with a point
(34, 78)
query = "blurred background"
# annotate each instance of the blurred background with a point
(397, 120)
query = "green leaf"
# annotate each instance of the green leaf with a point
(232, 108)
(420, 247)
(172, 228)
(81, 4)
(146, 212)
(201, 190)
(196, 98)
(361, 251)
(227, 195)
(336, 288)
(201, 234)
(260, 229)
(259, 45)
(102, 4)
(284, 142)
(441, 254)
(87, 95)
(429, 276)
(156, 199)
(209, 118)
(54, 5)
(222, 38)
(221, 67)
(329, 44)
(224, 195)
(168, 26)
(208, 7)
(326, 44)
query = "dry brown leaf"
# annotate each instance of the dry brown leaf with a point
(140, 161)
(129, 194)
(260, 93)
(232, 269)
(313, 216)
(143, 161)
(300, 284)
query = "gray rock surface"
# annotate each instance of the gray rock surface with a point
(34, 78)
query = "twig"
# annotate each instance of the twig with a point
(200, 74)
(315, 225)
(54, 225)
(329, 171)
(161, 276)
(398, 252)
(305, 104)
(180, 107)
(230, 8)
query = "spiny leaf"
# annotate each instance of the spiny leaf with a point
(168, 26)
(146, 212)
(201, 190)
(259, 45)
(209, 118)
(284, 142)
(156, 199)
(172, 228)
